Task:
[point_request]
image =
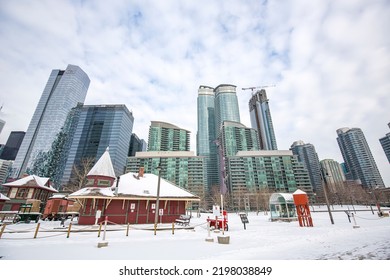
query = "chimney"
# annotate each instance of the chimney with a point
(141, 172)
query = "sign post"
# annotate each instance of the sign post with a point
(244, 219)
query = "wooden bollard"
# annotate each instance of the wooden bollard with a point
(70, 226)
(173, 228)
(128, 227)
(100, 228)
(36, 230)
(2, 230)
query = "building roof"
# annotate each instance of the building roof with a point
(278, 198)
(3, 197)
(134, 186)
(103, 167)
(32, 181)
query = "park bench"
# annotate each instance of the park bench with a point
(183, 220)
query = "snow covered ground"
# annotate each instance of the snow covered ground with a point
(262, 240)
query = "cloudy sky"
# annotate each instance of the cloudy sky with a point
(329, 60)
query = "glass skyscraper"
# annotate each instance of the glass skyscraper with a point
(63, 91)
(206, 135)
(96, 128)
(261, 120)
(359, 162)
(385, 142)
(307, 154)
(215, 105)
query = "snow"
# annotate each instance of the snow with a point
(262, 240)
(26, 181)
(130, 184)
(103, 167)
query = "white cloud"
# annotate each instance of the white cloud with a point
(329, 60)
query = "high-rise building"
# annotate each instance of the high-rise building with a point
(234, 137)
(98, 127)
(358, 158)
(169, 148)
(385, 142)
(266, 170)
(2, 124)
(167, 137)
(12, 146)
(206, 135)
(136, 145)
(182, 168)
(215, 105)
(5, 168)
(261, 120)
(307, 154)
(64, 89)
(334, 174)
(226, 105)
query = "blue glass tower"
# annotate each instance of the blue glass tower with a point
(98, 127)
(63, 91)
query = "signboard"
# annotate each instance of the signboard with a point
(132, 206)
(161, 212)
(216, 210)
(244, 219)
(98, 214)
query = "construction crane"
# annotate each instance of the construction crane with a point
(258, 87)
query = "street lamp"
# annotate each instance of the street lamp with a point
(326, 195)
(376, 199)
(157, 199)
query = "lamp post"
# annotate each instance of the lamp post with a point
(376, 199)
(326, 195)
(157, 199)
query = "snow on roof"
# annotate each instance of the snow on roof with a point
(3, 197)
(143, 187)
(279, 197)
(32, 181)
(298, 191)
(93, 191)
(103, 166)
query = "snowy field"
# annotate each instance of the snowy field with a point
(262, 240)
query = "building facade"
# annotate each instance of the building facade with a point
(385, 142)
(215, 105)
(359, 162)
(261, 120)
(136, 145)
(334, 175)
(271, 171)
(206, 135)
(64, 89)
(307, 154)
(182, 168)
(96, 128)
(167, 137)
(12, 146)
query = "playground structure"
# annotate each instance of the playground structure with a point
(219, 222)
(301, 202)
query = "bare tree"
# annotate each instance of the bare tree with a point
(79, 174)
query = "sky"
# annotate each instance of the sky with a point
(329, 62)
(356, 249)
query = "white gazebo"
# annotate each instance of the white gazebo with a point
(282, 207)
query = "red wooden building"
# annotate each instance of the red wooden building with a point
(132, 199)
(3, 199)
(59, 205)
(30, 188)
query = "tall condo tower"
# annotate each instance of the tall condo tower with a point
(206, 135)
(63, 91)
(307, 154)
(215, 105)
(385, 142)
(358, 158)
(261, 120)
(168, 137)
(226, 105)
